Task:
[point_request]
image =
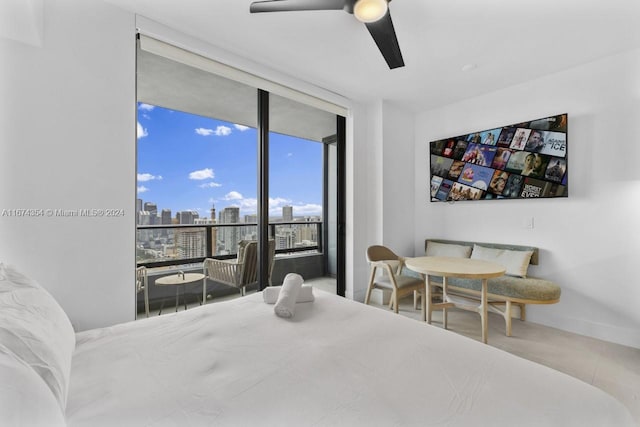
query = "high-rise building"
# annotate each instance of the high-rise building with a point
(165, 219)
(166, 216)
(250, 232)
(285, 238)
(230, 236)
(138, 205)
(144, 236)
(144, 218)
(190, 243)
(152, 208)
(214, 231)
(287, 213)
(230, 215)
(187, 217)
(307, 233)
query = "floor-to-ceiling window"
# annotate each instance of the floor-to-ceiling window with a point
(297, 185)
(199, 175)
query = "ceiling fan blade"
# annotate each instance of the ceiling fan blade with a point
(292, 5)
(385, 37)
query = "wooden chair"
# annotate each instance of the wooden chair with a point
(142, 285)
(242, 271)
(392, 279)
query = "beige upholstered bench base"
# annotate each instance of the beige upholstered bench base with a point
(497, 303)
(500, 304)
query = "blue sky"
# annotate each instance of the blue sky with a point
(188, 162)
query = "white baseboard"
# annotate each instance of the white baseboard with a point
(610, 333)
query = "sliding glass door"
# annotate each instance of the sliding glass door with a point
(299, 212)
(220, 162)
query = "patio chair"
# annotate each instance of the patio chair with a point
(242, 271)
(142, 285)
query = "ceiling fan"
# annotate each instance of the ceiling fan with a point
(373, 13)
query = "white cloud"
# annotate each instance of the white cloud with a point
(142, 132)
(223, 131)
(143, 177)
(146, 107)
(308, 209)
(219, 131)
(233, 195)
(210, 185)
(249, 206)
(289, 154)
(204, 131)
(278, 202)
(142, 189)
(241, 128)
(201, 174)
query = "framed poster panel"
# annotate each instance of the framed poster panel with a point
(519, 161)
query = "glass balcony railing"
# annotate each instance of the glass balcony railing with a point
(167, 245)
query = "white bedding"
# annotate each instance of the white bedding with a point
(336, 363)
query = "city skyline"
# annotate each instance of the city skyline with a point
(188, 162)
(286, 214)
(180, 243)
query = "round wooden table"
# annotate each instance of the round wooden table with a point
(180, 279)
(446, 267)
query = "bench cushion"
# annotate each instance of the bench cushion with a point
(446, 249)
(515, 262)
(534, 257)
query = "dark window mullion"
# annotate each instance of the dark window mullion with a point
(263, 189)
(341, 206)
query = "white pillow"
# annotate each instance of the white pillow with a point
(446, 249)
(35, 329)
(515, 262)
(25, 400)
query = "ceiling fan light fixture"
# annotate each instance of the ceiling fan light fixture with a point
(368, 11)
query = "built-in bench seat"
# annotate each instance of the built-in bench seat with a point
(525, 290)
(503, 292)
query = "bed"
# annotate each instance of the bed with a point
(336, 362)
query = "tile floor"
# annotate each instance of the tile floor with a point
(611, 367)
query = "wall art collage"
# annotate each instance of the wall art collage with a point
(519, 161)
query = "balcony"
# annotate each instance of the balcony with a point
(165, 249)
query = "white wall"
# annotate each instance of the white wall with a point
(589, 241)
(67, 129)
(383, 196)
(398, 179)
(364, 198)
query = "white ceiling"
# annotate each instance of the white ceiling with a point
(509, 42)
